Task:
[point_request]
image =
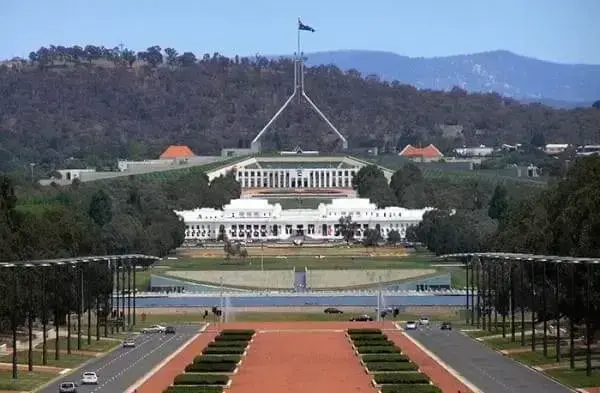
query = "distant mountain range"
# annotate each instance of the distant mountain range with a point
(511, 75)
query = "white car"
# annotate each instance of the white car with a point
(89, 378)
(154, 329)
(129, 343)
(424, 321)
(410, 325)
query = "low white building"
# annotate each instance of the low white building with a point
(258, 219)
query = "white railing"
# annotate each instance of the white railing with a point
(441, 292)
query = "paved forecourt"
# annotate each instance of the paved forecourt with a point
(124, 366)
(486, 369)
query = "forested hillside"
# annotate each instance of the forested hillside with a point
(98, 104)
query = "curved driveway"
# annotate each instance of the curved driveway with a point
(124, 366)
(485, 368)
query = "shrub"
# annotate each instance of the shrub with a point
(242, 344)
(400, 378)
(217, 359)
(378, 349)
(233, 338)
(413, 388)
(223, 351)
(212, 367)
(385, 357)
(364, 331)
(193, 389)
(237, 332)
(201, 379)
(390, 366)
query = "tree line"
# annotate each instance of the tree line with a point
(94, 105)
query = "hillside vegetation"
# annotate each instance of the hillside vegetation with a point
(97, 105)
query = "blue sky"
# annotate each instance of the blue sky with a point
(565, 31)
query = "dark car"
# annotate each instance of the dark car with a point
(170, 330)
(361, 318)
(446, 326)
(67, 387)
(332, 310)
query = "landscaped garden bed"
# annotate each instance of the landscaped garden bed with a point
(390, 370)
(210, 372)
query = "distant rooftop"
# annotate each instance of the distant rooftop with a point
(177, 151)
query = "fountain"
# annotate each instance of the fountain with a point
(227, 311)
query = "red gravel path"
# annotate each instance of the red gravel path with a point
(294, 361)
(438, 374)
(163, 377)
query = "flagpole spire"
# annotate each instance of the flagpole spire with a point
(298, 92)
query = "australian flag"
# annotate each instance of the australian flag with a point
(302, 26)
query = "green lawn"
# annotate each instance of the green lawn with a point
(26, 381)
(576, 378)
(96, 346)
(65, 361)
(299, 262)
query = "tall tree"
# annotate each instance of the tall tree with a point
(498, 203)
(100, 209)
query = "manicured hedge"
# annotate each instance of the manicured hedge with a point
(201, 379)
(217, 359)
(364, 331)
(223, 351)
(390, 366)
(400, 378)
(233, 338)
(378, 349)
(412, 388)
(212, 367)
(368, 337)
(385, 357)
(237, 332)
(194, 389)
(383, 344)
(242, 344)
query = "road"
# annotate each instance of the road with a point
(485, 368)
(124, 366)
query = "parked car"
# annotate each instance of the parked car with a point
(89, 378)
(424, 321)
(332, 310)
(446, 326)
(154, 329)
(410, 325)
(128, 343)
(362, 318)
(67, 387)
(169, 330)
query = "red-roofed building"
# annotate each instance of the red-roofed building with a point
(428, 153)
(174, 151)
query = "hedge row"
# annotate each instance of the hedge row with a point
(382, 344)
(412, 388)
(193, 389)
(364, 331)
(385, 357)
(379, 349)
(201, 379)
(237, 343)
(237, 332)
(212, 367)
(223, 351)
(368, 337)
(217, 359)
(390, 366)
(400, 378)
(228, 338)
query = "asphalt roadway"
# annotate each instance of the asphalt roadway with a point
(485, 368)
(124, 366)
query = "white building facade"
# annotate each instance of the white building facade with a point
(257, 219)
